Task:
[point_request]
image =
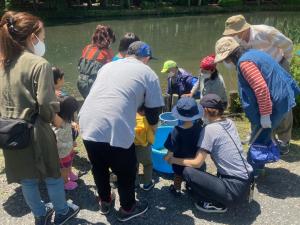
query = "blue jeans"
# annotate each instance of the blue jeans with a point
(56, 192)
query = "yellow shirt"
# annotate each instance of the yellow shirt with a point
(143, 133)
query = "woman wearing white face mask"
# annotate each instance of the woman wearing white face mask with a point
(212, 80)
(267, 90)
(27, 94)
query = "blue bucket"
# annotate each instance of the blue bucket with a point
(159, 151)
(167, 119)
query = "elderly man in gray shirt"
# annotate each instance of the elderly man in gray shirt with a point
(107, 122)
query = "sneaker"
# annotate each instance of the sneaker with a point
(148, 187)
(72, 212)
(174, 191)
(137, 210)
(105, 207)
(71, 185)
(73, 176)
(45, 220)
(209, 207)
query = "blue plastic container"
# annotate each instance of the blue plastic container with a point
(158, 150)
(167, 119)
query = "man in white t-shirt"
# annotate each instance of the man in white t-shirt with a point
(270, 40)
(107, 122)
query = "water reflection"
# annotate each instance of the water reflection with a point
(183, 39)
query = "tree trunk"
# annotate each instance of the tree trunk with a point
(90, 3)
(189, 3)
(199, 2)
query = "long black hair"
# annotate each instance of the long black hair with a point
(214, 75)
(68, 106)
(58, 74)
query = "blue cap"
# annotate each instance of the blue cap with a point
(140, 49)
(187, 109)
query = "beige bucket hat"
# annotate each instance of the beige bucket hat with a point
(224, 47)
(235, 24)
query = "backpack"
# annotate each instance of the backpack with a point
(88, 69)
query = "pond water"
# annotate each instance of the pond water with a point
(184, 39)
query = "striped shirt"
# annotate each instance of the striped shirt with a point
(257, 83)
(271, 41)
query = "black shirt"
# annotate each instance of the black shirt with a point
(183, 142)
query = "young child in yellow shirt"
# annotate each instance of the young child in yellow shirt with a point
(144, 138)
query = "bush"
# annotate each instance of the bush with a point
(290, 2)
(148, 4)
(227, 3)
(235, 105)
(295, 70)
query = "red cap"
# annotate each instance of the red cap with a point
(207, 63)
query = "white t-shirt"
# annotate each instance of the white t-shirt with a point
(108, 113)
(271, 41)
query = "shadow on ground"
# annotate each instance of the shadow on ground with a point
(15, 205)
(293, 155)
(244, 214)
(77, 221)
(84, 196)
(167, 209)
(82, 164)
(279, 183)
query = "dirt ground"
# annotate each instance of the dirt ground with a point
(276, 198)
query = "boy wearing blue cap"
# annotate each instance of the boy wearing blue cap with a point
(182, 141)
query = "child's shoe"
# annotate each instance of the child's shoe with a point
(73, 176)
(70, 186)
(147, 187)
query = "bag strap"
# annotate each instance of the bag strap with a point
(89, 49)
(96, 55)
(236, 148)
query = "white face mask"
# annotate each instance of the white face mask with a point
(206, 75)
(229, 66)
(171, 74)
(237, 38)
(39, 48)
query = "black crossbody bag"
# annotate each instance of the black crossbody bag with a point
(15, 133)
(250, 176)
